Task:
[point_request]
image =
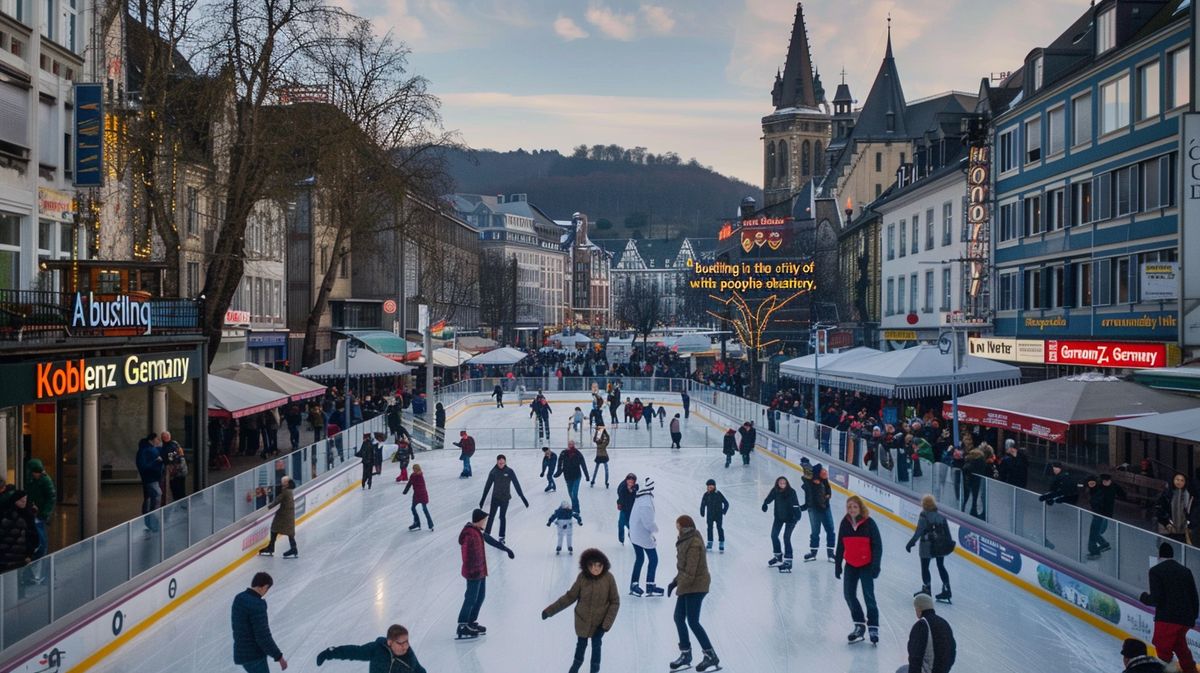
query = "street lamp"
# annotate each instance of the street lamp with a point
(819, 331)
(948, 343)
(351, 351)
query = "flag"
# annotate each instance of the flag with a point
(439, 330)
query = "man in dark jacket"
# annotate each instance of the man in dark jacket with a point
(626, 494)
(150, 468)
(687, 403)
(383, 653)
(504, 480)
(931, 645)
(466, 444)
(817, 494)
(749, 439)
(1173, 595)
(498, 393)
(1063, 487)
(713, 507)
(572, 467)
(1102, 498)
(1014, 466)
(1133, 653)
(252, 641)
(474, 570)
(541, 409)
(549, 462)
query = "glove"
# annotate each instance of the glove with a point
(837, 573)
(547, 524)
(511, 555)
(1145, 597)
(671, 587)
(875, 575)
(480, 504)
(908, 547)
(764, 508)
(545, 614)
(323, 655)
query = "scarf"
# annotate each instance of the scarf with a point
(1179, 507)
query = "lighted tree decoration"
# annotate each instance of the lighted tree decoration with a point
(750, 323)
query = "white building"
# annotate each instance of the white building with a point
(921, 248)
(658, 266)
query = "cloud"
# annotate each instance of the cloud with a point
(612, 24)
(567, 29)
(658, 18)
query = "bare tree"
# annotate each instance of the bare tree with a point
(640, 309)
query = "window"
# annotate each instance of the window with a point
(45, 236)
(1056, 130)
(891, 287)
(1006, 292)
(66, 240)
(1157, 186)
(1179, 87)
(1106, 30)
(1149, 91)
(1033, 216)
(783, 160)
(1035, 297)
(193, 279)
(916, 233)
(912, 293)
(929, 229)
(1006, 222)
(878, 162)
(1081, 119)
(1120, 282)
(1057, 286)
(1114, 105)
(190, 217)
(48, 15)
(1081, 203)
(947, 221)
(1038, 72)
(1054, 210)
(891, 241)
(1008, 151)
(1102, 197)
(1083, 284)
(900, 295)
(1033, 140)
(878, 189)
(946, 292)
(344, 266)
(929, 291)
(903, 238)
(1123, 184)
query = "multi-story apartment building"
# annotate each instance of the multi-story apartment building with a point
(590, 277)
(659, 267)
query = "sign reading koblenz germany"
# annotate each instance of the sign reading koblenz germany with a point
(52, 379)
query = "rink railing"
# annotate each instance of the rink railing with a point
(53, 586)
(1059, 531)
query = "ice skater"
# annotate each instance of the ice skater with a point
(577, 420)
(498, 393)
(596, 600)
(692, 581)
(860, 548)
(687, 403)
(786, 516)
(749, 440)
(661, 412)
(367, 453)
(540, 409)
(549, 462)
(626, 494)
(1176, 606)
(284, 522)
(933, 535)
(730, 447)
(713, 507)
(1102, 497)
(420, 497)
(817, 494)
(474, 571)
(648, 414)
(403, 456)
(596, 415)
(504, 480)
(614, 403)
(562, 518)
(466, 445)
(601, 439)
(572, 467)
(931, 645)
(383, 653)
(676, 431)
(643, 532)
(252, 641)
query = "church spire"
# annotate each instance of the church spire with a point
(796, 87)
(883, 110)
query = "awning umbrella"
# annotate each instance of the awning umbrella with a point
(387, 344)
(448, 357)
(921, 371)
(1048, 409)
(500, 356)
(365, 363)
(295, 387)
(476, 344)
(1183, 425)
(230, 399)
(803, 367)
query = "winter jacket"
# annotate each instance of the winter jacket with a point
(1063, 488)
(817, 493)
(41, 491)
(549, 462)
(691, 565)
(1172, 594)
(713, 505)
(787, 504)
(252, 639)
(1146, 664)
(925, 523)
(149, 463)
(417, 483)
(367, 453)
(642, 528)
(474, 560)
(625, 496)
(975, 468)
(284, 522)
(1102, 499)
(674, 425)
(596, 602)
(439, 419)
(859, 545)
(571, 465)
(380, 655)
(602, 448)
(564, 515)
(1162, 511)
(931, 646)
(18, 536)
(749, 439)
(467, 446)
(504, 479)
(497, 392)
(730, 446)
(1015, 470)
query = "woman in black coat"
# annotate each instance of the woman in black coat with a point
(18, 535)
(730, 446)
(787, 515)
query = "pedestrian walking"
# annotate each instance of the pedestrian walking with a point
(367, 453)
(713, 507)
(626, 494)
(749, 439)
(730, 446)
(860, 550)
(786, 516)
(504, 480)
(383, 653)
(474, 570)
(498, 393)
(284, 522)
(466, 445)
(380, 438)
(931, 646)
(1102, 497)
(1176, 606)
(687, 403)
(572, 467)
(1014, 466)
(817, 495)
(601, 440)
(643, 533)
(420, 497)
(936, 543)
(549, 462)
(563, 518)
(252, 641)
(692, 582)
(676, 431)
(1137, 660)
(439, 423)
(974, 471)
(596, 601)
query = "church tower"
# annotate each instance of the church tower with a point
(796, 134)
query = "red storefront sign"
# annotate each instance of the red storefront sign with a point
(1120, 355)
(1046, 428)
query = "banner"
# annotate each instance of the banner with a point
(1106, 354)
(1160, 281)
(88, 139)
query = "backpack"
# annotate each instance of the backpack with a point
(941, 543)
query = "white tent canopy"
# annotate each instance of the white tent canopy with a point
(365, 363)
(921, 371)
(295, 387)
(803, 367)
(230, 399)
(500, 356)
(448, 357)
(571, 339)
(1183, 425)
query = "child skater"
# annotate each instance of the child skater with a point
(562, 516)
(596, 603)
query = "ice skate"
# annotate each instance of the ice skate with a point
(786, 566)
(465, 633)
(291, 553)
(708, 546)
(830, 555)
(944, 596)
(710, 662)
(570, 550)
(265, 552)
(635, 590)
(856, 636)
(653, 590)
(874, 634)
(924, 590)
(415, 526)
(775, 560)
(477, 628)
(811, 555)
(722, 546)
(557, 551)
(684, 661)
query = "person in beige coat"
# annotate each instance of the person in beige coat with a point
(691, 581)
(284, 522)
(596, 600)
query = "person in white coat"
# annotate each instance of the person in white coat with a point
(643, 532)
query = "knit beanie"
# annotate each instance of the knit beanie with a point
(923, 602)
(478, 515)
(711, 482)
(1165, 550)
(647, 487)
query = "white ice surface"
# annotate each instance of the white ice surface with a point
(361, 570)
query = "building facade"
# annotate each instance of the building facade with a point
(661, 267)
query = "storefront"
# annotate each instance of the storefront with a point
(1052, 358)
(268, 349)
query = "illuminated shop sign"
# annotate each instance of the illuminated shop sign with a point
(91, 375)
(978, 174)
(119, 312)
(1107, 354)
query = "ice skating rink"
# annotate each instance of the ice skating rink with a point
(360, 570)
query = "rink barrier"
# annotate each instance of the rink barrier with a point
(1080, 596)
(84, 638)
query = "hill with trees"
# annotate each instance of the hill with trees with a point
(624, 192)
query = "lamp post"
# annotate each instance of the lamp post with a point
(351, 351)
(948, 343)
(819, 331)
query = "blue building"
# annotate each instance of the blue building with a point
(1085, 216)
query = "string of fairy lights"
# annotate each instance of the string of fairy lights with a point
(752, 322)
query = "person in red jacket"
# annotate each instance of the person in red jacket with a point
(474, 570)
(861, 548)
(420, 497)
(466, 443)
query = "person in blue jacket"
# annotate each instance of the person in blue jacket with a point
(252, 641)
(150, 469)
(383, 653)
